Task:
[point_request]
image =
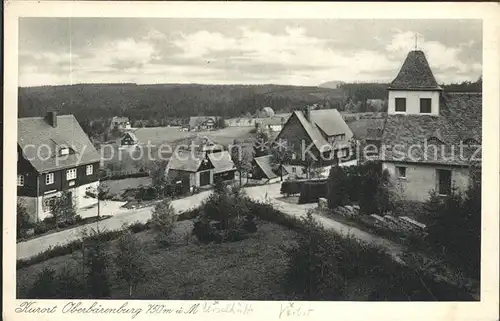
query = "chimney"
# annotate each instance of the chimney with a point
(52, 118)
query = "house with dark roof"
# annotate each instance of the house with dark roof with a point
(119, 123)
(431, 139)
(54, 155)
(317, 139)
(200, 169)
(202, 122)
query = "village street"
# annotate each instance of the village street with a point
(264, 193)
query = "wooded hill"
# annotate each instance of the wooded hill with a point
(96, 101)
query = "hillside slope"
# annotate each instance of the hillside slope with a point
(95, 101)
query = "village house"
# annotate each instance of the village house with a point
(199, 169)
(425, 130)
(202, 123)
(321, 133)
(272, 124)
(54, 155)
(149, 135)
(120, 123)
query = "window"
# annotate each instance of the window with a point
(444, 181)
(425, 105)
(401, 171)
(63, 151)
(20, 180)
(89, 169)
(49, 178)
(401, 104)
(71, 174)
(294, 169)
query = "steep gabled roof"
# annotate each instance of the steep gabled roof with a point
(265, 164)
(186, 161)
(331, 122)
(460, 119)
(198, 120)
(222, 161)
(34, 132)
(313, 132)
(415, 74)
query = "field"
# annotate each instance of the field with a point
(250, 269)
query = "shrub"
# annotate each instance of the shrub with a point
(455, 227)
(338, 188)
(130, 260)
(312, 191)
(163, 219)
(249, 224)
(41, 228)
(23, 220)
(43, 287)
(203, 230)
(96, 262)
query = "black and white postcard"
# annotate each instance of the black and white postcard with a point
(245, 160)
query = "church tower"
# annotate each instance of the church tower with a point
(414, 91)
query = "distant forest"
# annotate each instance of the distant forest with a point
(157, 104)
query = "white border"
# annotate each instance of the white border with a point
(487, 309)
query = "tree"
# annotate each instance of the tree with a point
(262, 144)
(163, 219)
(242, 156)
(455, 226)
(337, 194)
(23, 219)
(281, 153)
(63, 208)
(220, 123)
(130, 261)
(97, 264)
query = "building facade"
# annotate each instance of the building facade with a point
(54, 156)
(318, 140)
(431, 139)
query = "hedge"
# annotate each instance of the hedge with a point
(123, 176)
(311, 191)
(295, 186)
(75, 245)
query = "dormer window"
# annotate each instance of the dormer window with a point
(400, 104)
(425, 105)
(470, 142)
(63, 151)
(434, 141)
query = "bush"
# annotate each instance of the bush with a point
(106, 177)
(312, 191)
(338, 189)
(249, 224)
(23, 220)
(324, 265)
(41, 228)
(163, 219)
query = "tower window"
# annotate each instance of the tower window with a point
(401, 104)
(425, 105)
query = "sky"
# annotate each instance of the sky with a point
(61, 51)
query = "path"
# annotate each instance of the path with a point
(40, 244)
(258, 193)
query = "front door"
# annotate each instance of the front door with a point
(204, 178)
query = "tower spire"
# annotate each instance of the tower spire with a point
(416, 41)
